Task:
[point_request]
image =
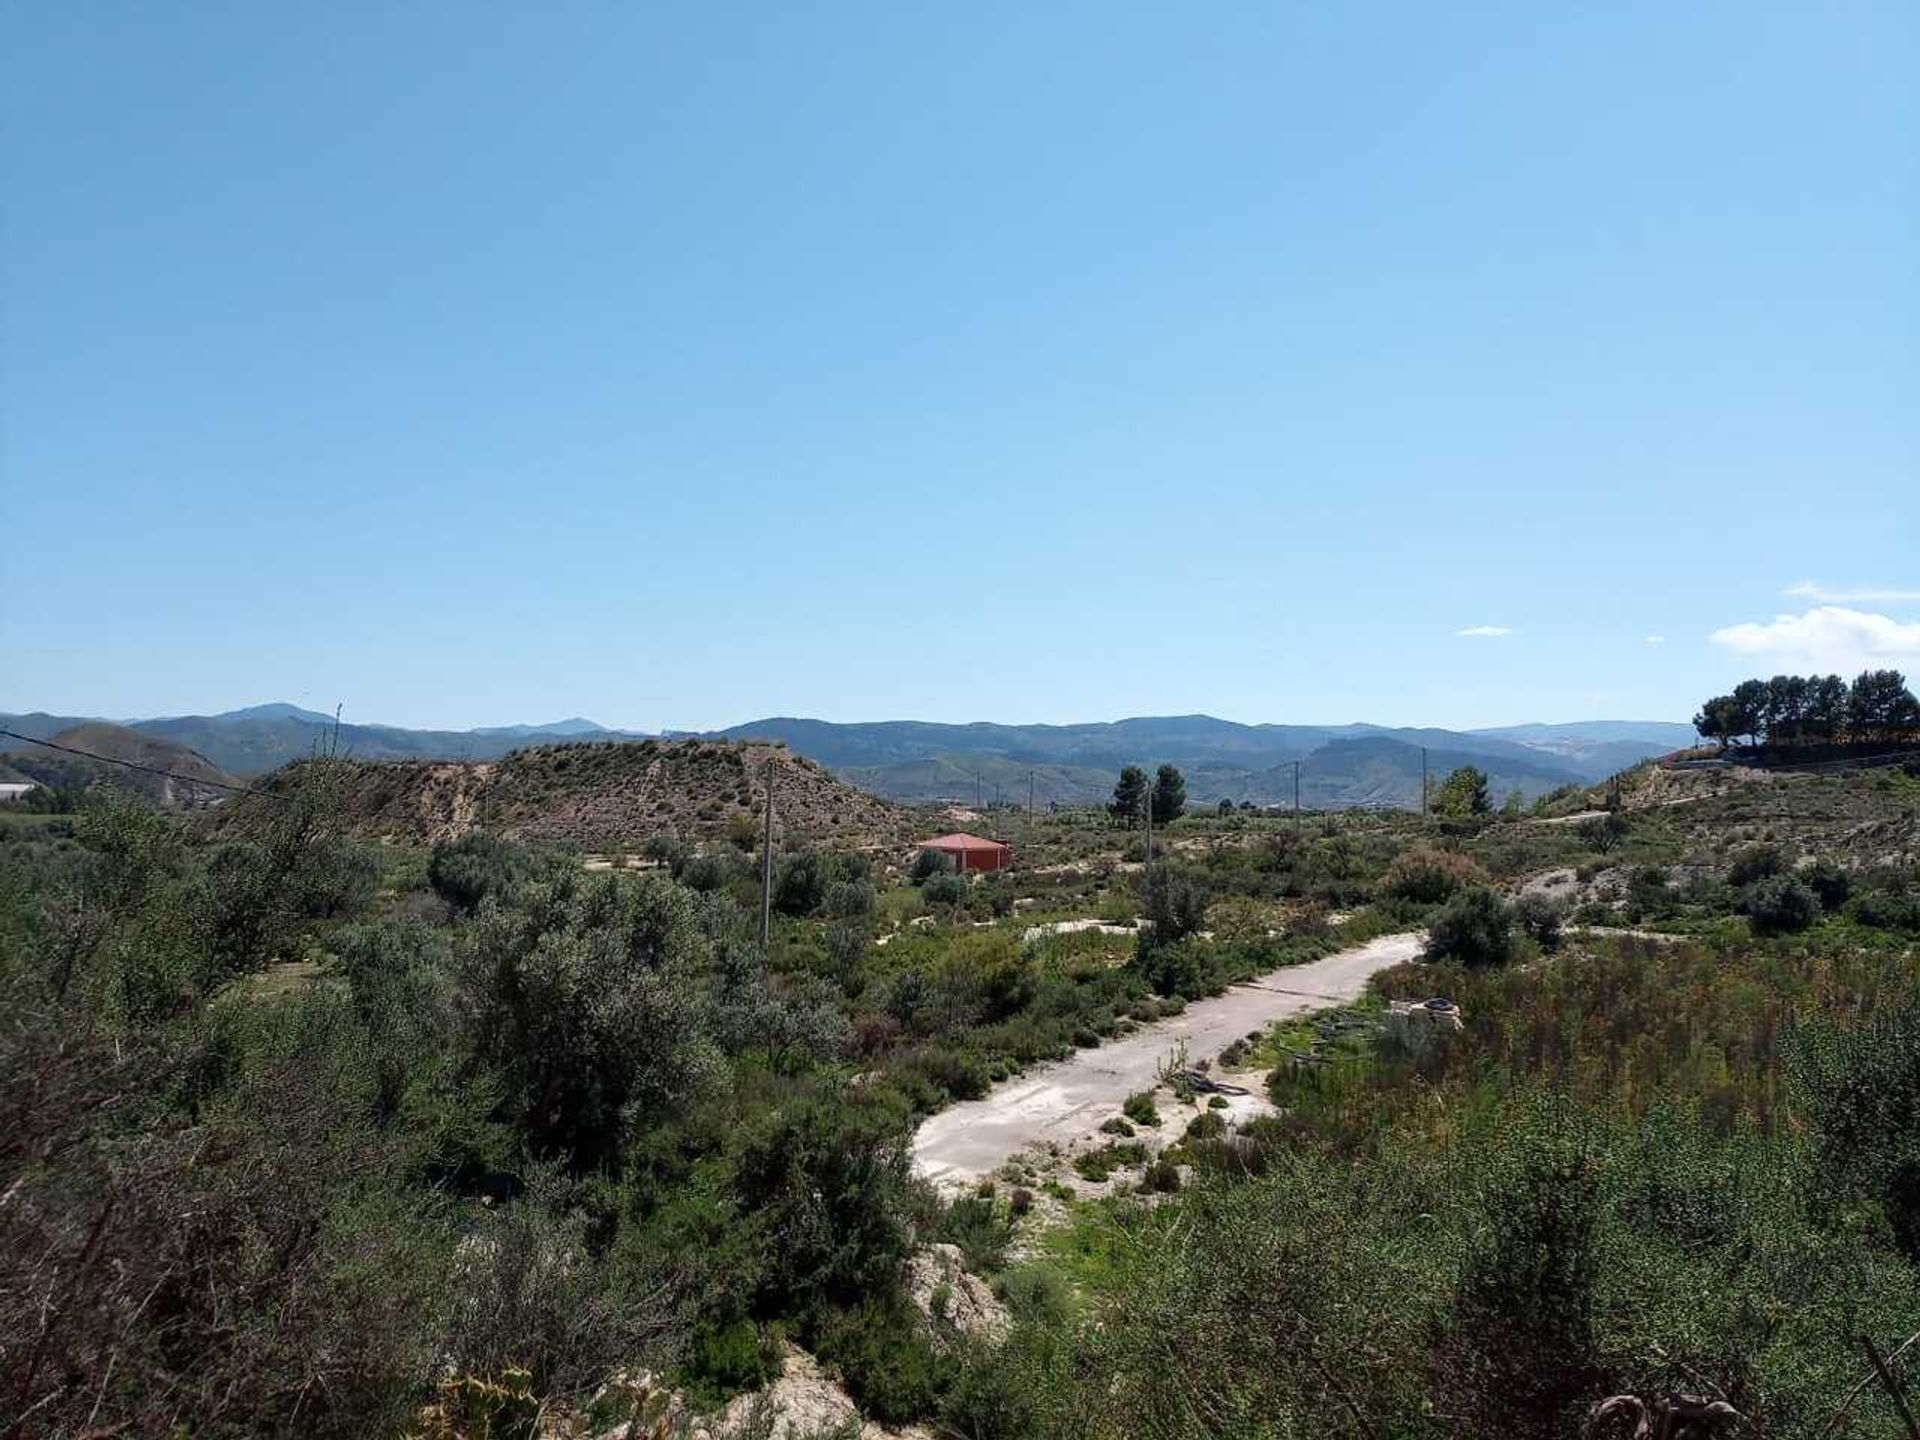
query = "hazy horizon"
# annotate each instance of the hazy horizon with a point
(348, 718)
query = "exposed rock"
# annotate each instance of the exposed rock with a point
(955, 1302)
(803, 1402)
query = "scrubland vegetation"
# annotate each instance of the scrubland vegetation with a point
(304, 1135)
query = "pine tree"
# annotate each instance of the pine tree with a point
(1129, 795)
(1169, 795)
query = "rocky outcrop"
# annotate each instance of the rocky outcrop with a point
(956, 1302)
(803, 1403)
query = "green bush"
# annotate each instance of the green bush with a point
(1097, 1165)
(1427, 876)
(466, 871)
(729, 1358)
(849, 899)
(800, 883)
(1139, 1109)
(1475, 929)
(1860, 1088)
(1756, 862)
(944, 888)
(929, 863)
(882, 1350)
(1186, 971)
(1176, 906)
(1162, 1177)
(975, 1224)
(1887, 910)
(1207, 1125)
(592, 1006)
(1829, 883)
(706, 873)
(1779, 905)
(1603, 832)
(824, 1185)
(1540, 920)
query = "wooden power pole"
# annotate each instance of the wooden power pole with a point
(766, 869)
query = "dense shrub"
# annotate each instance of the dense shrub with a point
(705, 873)
(1186, 970)
(1887, 909)
(1756, 862)
(1603, 832)
(1207, 1125)
(1779, 905)
(883, 1352)
(1860, 1086)
(1097, 1165)
(1474, 929)
(590, 1004)
(1427, 876)
(929, 863)
(824, 1186)
(1139, 1109)
(466, 871)
(1540, 920)
(1829, 883)
(800, 883)
(974, 1223)
(944, 888)
(849, 899)
(728, 1358)
(1176, 906)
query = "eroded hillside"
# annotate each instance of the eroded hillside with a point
(619, 793)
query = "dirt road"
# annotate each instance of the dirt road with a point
(1068, 1100)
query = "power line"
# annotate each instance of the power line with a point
(136, 765)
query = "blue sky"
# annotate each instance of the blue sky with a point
(678, 365)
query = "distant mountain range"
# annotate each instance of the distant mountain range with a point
(1339, 765)
(260, 738)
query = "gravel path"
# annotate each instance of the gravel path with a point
(1066, 1101)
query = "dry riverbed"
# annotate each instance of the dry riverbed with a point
(1064, 1104)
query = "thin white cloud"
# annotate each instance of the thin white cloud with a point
(1809, 590)
(1828, 638)
(1484, 632)
(1656, 639)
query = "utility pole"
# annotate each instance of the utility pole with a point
(976, 789)
(1147, 806)
(766, 869)
(1029, 797)
(1423, 782)
(1296, 797)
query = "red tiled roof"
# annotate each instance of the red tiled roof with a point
(961, 841)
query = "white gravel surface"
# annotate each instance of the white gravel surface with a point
(1066, 1102)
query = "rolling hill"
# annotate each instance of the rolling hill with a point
(194, 781)
(606, 794)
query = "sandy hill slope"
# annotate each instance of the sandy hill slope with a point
(618, 793)
(201, 783)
